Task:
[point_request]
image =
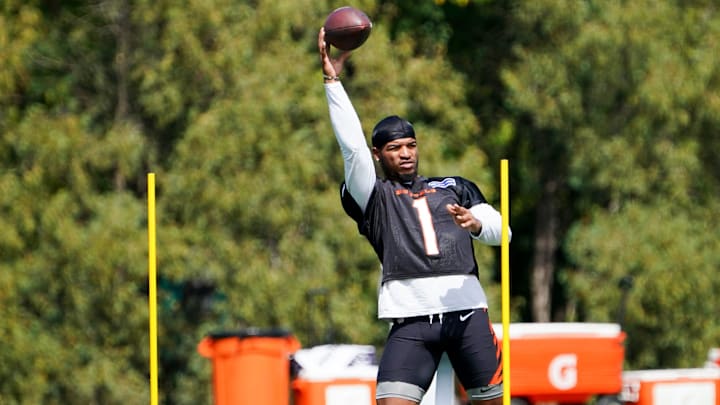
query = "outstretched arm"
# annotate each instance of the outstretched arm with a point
(359, 168)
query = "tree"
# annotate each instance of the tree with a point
(613, 96)
(249, 218)
(672, 302)
(607, 112)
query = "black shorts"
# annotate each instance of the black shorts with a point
(414, 347)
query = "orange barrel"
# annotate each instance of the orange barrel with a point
(250, 367)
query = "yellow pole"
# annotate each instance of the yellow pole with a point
(152, 280)
(505, 276)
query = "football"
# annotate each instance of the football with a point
(347, 28)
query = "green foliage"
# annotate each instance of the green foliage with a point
(223, 101)
(672, 258)
(617, 95)
(72, 261)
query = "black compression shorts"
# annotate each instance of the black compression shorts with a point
(414, 347)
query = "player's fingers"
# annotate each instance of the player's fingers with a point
(452, 209)
(323, 45)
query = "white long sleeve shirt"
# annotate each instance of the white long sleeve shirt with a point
(412, 297)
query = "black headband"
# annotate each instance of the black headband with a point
(391, 128)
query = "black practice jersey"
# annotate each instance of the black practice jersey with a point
(411, 230)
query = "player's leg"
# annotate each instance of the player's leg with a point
(408, 363)
(474, 352)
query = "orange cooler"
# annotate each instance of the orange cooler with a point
(355, 386)
(251, 367)
(565, 362)
(672, 387)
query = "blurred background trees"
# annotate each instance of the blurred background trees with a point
(608, 112)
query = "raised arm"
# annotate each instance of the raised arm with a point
(359, 168)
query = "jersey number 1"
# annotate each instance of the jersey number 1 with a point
(426, 224)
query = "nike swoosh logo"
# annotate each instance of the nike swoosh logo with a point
(466, 316)
(483, 390)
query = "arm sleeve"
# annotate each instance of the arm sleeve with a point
(490, 234)
(359, 167)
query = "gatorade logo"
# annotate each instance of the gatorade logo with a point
(562, 371)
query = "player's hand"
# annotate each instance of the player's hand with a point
(464, 218)
(331, 67)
